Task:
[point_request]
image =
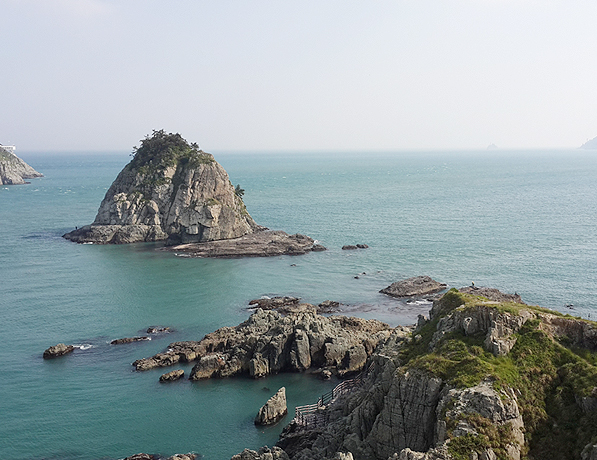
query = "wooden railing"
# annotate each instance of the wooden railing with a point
(315, 415)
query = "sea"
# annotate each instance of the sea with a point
(519, 221)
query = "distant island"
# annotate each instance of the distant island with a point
(590, 145)
(13, 170)
(173, 191)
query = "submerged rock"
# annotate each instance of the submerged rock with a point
(415, 286)
(13, 170)
(58, 350)
(273, 410)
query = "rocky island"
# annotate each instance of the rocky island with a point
(174, 192)
(13, 170)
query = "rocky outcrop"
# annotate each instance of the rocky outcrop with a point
(172, 376)
(265, 453)
(287, 304)
(446, 393)
(265, 243)
(492, 294)
(415, 286)
(273, 410)
(142, 456)
(269, 343)
(171, 190)
(58, 350)
(13, 170)
(129, 340)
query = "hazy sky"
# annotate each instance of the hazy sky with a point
(324, 74)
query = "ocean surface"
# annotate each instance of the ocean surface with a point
(520, 221)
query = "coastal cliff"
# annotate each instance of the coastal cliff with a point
(479, 379)
(171, 190)
(13, 170)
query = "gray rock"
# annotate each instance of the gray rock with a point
(57, 350)
(268, 343)
(273, 410)
(349, 247)
(13, 170)
(129, 340)
(416, 286)
(265, 453)
(263, 243)
(172, 376)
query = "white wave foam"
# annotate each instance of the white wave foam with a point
(84, 346)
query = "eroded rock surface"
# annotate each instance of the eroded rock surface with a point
(265, 453)
(172, 376)
(415, 286)
(268, 343)
(273, 410)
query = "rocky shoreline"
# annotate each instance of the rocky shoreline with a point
(13, 170)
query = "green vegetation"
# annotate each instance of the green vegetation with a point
(163, 150)
(550, 377)
(489, 435)
(239, 191)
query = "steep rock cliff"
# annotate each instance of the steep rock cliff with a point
(480, 379)
(13, 170)
(171, 190)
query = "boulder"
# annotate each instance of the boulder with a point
(415, 286)
(265, 453)
(157, 330)
(348, 247)
(172, 376)
(273, 410)
(58, 350)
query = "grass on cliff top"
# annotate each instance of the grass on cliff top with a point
(549, 379)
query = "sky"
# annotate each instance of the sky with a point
(99, 75)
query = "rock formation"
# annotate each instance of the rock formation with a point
(57, 350)
(269, 343)
(171, 190)
(415, 286)
(480, 379)
(129, 340)
(265, 453)
(172, 376)
(13, 170)
(264, 243)
(273, 410)
(590, 144)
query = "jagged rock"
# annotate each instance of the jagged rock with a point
(141, 456)
(414, 410)
(343, 456)
(362, 246)
(416, 286)
(273, 410)
(348, 247)
(183, 457)
(273, 303)
(268, 343)
(13, 170)
(172, 376)
(57, 350)
(170, 190)
(265, 453)
(157, 457)
(129, 340)
(328, 306)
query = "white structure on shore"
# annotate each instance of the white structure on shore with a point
(8, 148)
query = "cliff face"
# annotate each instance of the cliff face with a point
(479, 379)
(13, 170)
(172, 191)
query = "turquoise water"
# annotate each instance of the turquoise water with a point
(518, 221)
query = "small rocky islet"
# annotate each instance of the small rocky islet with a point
(174, 192)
